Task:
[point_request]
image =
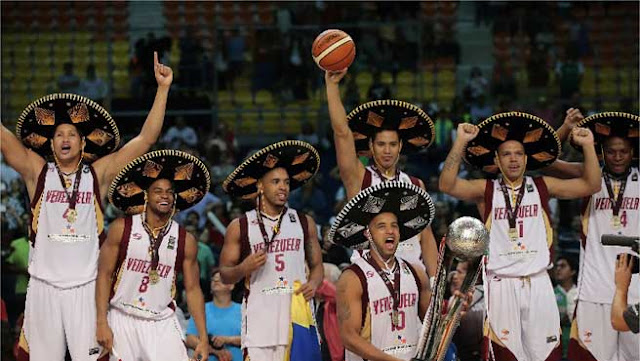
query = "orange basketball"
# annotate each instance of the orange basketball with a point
(333, 50)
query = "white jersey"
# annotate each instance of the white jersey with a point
(132, 291)
(529, 253)
(65, 254)
(400, 341)
(409, 249)
(266, 306)
(597, 262)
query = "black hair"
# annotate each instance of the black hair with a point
(573, 264)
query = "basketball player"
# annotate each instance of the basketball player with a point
(66, 207)
(142, 257)
(523, 319)
(382, 129)
(612, 210)
(268, 246)
(380, 297)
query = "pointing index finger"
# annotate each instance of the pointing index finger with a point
(155, 58)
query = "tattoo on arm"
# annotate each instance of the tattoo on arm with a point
(452, 161)
(344, 311)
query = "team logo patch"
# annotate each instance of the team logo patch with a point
(529, 188)
(587, 336)
(369, 274)
(504, 334)
(282, 286)
(94, 351)
(292, 218)
(634, 178)
(172, 242)
(136, 236)
(551, 339)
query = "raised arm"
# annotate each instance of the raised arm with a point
(195, 300)
(231, 269)
(590, 181)
(313, 255)
(351, 169)
(25, 161)
(572, 118)
(450, 183)
(108, 167)
(106, 267)
(349, 303)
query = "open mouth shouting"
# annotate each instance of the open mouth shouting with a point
(389, 243)
(65, 149)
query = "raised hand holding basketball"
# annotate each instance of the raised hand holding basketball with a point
(334, 77)
(333, 50)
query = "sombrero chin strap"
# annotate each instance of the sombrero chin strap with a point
(374, 248)
(507, 180)
(387, 173)
(55, 158)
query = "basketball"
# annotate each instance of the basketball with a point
(333, 50)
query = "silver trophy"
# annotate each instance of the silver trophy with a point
(467, 239)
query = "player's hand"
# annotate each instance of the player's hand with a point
(573, 117)
(163, 73)
(104, 336)
(334, 77)
(201, 353)
(308, 290)
(254, 261)
(222, 355)
(219, 341)
(582, 137)
(624, 265)
(466, 298)
(467, 132)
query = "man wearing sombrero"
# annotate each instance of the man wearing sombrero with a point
(612, 210)
(381, 296)
(66, 151)
(382, 129)
(522, 318)
(269, 245)
(144, 253)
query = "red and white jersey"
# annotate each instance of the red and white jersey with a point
(65, 254)
(597, 263)
(409, 249)
(529, 253)
(132, 292)
(377, 307)
(266, 306)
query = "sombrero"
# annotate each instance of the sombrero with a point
(190, 177)
(540, 141)
(39, 120)
(411, 204)
(612, 124)
(415, 128)
(300, 159)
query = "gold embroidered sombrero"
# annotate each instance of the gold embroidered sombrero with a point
(540, 140)
(415, 128)
(411, 204)
(190, 177)
(300, 159)
(39, 120)
(612, 124)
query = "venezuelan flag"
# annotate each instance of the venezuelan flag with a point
(304, 344)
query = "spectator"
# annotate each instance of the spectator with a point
(480, 110)
(68, 82)
(311, 197)
(308, 134)
(569, 74)
(180, 135)
(624, 318)
(537, 70)
(566, 274)
(235, 46)
(206, 261)
(476, 85)
(205, 205)
(18, 262)
(224, 320)
(93, 87)
(504, 84)
(378, 90)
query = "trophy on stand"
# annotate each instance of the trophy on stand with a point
(467, 239)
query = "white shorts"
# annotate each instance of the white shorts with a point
(138, 339)
(274, 353)
(523, 316)
(59, 318)
(593, 328)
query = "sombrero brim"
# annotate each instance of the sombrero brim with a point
(300, 159)
(540, 140)
(415, 128)
(190, 177)
(39, 120)
(411, 204)
(612, 124)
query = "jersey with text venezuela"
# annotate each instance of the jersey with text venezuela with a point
(132, 290)
(377, 326)
(267, 302)
(597, 262)
(528, 253)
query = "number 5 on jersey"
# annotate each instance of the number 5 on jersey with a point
(280, 262)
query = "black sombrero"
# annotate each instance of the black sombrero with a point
(189, 175)
(39, 120)
(415, 128)
(300, 159)
(612, 124)
(540, 141)
(411, 204)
